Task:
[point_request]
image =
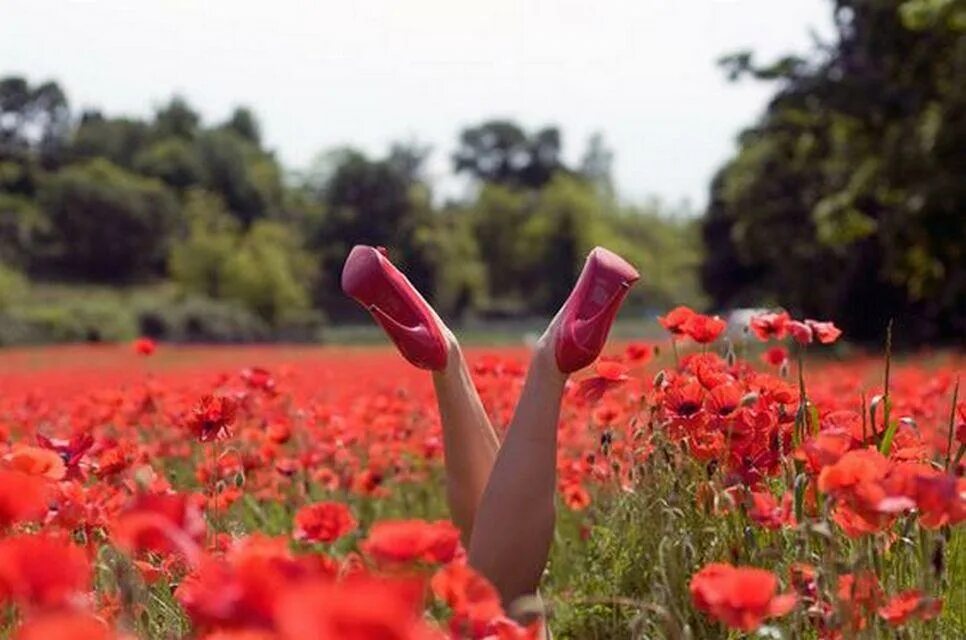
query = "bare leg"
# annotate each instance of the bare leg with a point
(470, 444)
(515, 523)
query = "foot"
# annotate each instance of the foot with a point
(396, 306)
(580, 329)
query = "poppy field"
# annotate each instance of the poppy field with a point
(775, 484)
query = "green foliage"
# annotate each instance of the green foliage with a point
(845, 200)
(264, 270)
(533, 244)
(268, 272)
(196, 263)
(116, 199)
(22, 225)
(32, 118)
(246, 177)
(198, 319)
(107, 223)
(500, 152)
(76, 320)
(12, 286)
(116, 139)
(171, 160)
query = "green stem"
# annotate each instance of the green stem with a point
(952, 425)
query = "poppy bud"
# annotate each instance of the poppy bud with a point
(876, 401)
(749, 399)
(783, 369)
(659, 379)
(730, 357)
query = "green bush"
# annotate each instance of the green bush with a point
(267, 273)
(202, 320)
(12, 286)
(264, 270)
(75, 321)
(108, 224)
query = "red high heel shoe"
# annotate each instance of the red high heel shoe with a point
(590, 310)
(394, 303)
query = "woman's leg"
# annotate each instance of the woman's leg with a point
(469, 442)
(515, 519)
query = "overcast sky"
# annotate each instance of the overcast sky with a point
(327, 73)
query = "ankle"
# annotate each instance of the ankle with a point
(544, 357)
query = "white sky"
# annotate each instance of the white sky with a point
(325, 73)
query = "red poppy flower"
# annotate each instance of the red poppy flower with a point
(858, 594)
(70, 451)
(853, 469)
(212, 417)
(65, 625)
(676, 320)
(474, 601)
(609, 375)
(402, 541)
(824, 332)
(724, 400)
(639, 352)
(740, 597)
(804, 579)
(23, 497)
(162, 523)
(704, 329)
(360, 608)
(258, 378)
(279, 432)
(769, 326)
(908, 605)
(37, 461)
(323, 522)
(775, 356)
(801, 332)
(766, 511)
(824, 449)
(42, 570)
(575, 496)
(684, 399)
(145, 346)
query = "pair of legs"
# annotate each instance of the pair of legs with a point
(500, 496)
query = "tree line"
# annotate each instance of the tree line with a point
(93, 198)
(844, 200)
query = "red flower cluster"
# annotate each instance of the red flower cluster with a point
(323, 522)
(769, 326)
(95, 454)
(683, 321)
(740, 597)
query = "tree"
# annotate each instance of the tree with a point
(596, 165)
(107, 224)
(176, 119)
(12, 286)
(32, 119)
(172, 160)
(268, 273)
(118, 140)
(500, 152)
(845, 200)
(247, 178)
(376, 202)
(197, 262)
(244, 123)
